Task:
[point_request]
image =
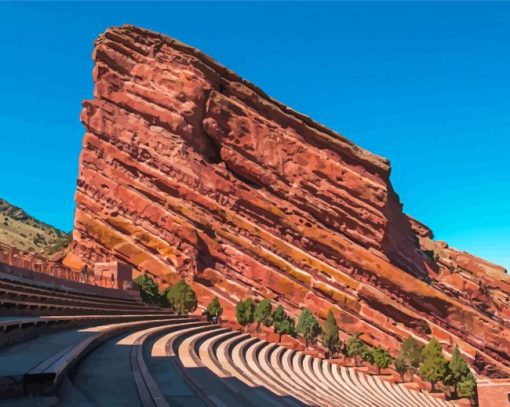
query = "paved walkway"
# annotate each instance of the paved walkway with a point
(104, 378)
(16, 317)
(20, 358)
(169, 378)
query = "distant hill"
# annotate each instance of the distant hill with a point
(20, 230)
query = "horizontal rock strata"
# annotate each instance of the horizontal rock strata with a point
(189, 170)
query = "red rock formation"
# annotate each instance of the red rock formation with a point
(189, 170)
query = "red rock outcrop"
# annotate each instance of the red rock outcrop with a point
(189, 170)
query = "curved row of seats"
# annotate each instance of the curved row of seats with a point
(218, 366)
(38, 365)
(61, 293)
(285, 372)
(22, 298)
(29, 309)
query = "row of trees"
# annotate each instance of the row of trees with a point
(261, 313)
(180, 296)
(431, 365)
(426, 361)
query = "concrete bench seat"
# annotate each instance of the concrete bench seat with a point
(17, 329)
(338, 387)
(274, 356)
(355, 398)
(209, 389)
(191, 349)
(120, 367)
(187, 351)
(207, 353)
(372, 389)
(13, 286)
(318, 367)
(38, 365)
(359, 382)
(67, 287)
(21, 291)
(245, 355)
(234, 356)
(10, 306)
(239, 362)
(410, 396)
(252, 360)
(295, 362)
(406, 396)
(305, 363)
(307, 387)
(178, 360)
(382, 387)
(55, 300)
(273, 370)
(223, 354)
(147, 388)
(307, 369)
(271, 375)
(238, 358)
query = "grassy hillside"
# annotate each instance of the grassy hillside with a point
(20, 230)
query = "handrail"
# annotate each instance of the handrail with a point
(33, 262)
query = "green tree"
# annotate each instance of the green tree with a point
(282, 323)
(241, 313)
(279, 314)
(163, 298)
(401, 367)
(466, 387)
(433, 367)
(182, 297)
(250, 310)
(410, 354)
(382, 359)
(287, 326)
(244, 312)
(459, 375)
(262, 314)
(366, 354)
(214, 309)
(457, 368)
(149, 290)
(308, 326)
(330, 337)
(355, 347)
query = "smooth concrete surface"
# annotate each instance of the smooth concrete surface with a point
(104, 378)
(191, 363)
(20, 358)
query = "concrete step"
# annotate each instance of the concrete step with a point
(38, 365)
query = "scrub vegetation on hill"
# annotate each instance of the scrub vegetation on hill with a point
(21, 231)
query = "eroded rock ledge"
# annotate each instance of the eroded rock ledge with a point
(189, 170)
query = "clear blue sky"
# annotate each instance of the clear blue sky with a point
(425, 84)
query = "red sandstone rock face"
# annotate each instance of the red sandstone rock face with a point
(188, 170)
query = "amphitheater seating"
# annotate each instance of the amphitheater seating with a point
(168, 359)
(31, 308)
(21, 297)
(283, 371)
(38, 365)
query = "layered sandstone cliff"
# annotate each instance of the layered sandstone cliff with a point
(189, 170)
